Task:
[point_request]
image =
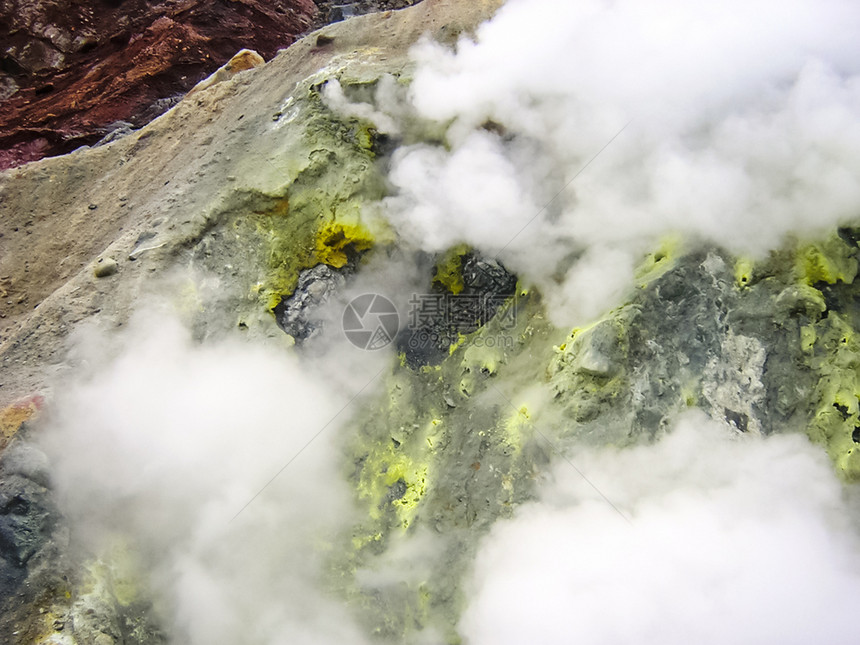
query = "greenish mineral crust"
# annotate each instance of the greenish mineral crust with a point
(764, 347)
(830, 261)
(111, 599)
(813, 356)
(442, 455)
(448, 272)
(316, 218)
(830, 348)
(659, 261)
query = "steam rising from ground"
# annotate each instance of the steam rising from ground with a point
(731, 540)
(744, 125)
(168, 440)
(741, 126)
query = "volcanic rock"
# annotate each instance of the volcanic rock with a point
(28, 515)
(315, 287)
(69, 71)
(336, 10)
(259, 184)
(439, 317)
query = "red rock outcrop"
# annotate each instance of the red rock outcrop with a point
(73, 71)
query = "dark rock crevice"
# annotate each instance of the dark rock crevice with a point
(438, 317)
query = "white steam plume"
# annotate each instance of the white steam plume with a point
(742, 125)
(731, 540)
(169, 439)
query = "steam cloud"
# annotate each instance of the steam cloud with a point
(731, 540)
(165, 442)
(741, 127)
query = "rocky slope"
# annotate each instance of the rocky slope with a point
(210, 184)
(249, 204)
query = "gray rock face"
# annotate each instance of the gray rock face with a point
(315, 287)
(114, 131)
(27, 461)
(28, 515)
(213, 173)
(26, 519)
(698, 335)
(673, 346)
(678, 335)
(733, 382)
(337, 10)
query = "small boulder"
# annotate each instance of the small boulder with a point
(105, 267)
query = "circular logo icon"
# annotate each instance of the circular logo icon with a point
(370, 321)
